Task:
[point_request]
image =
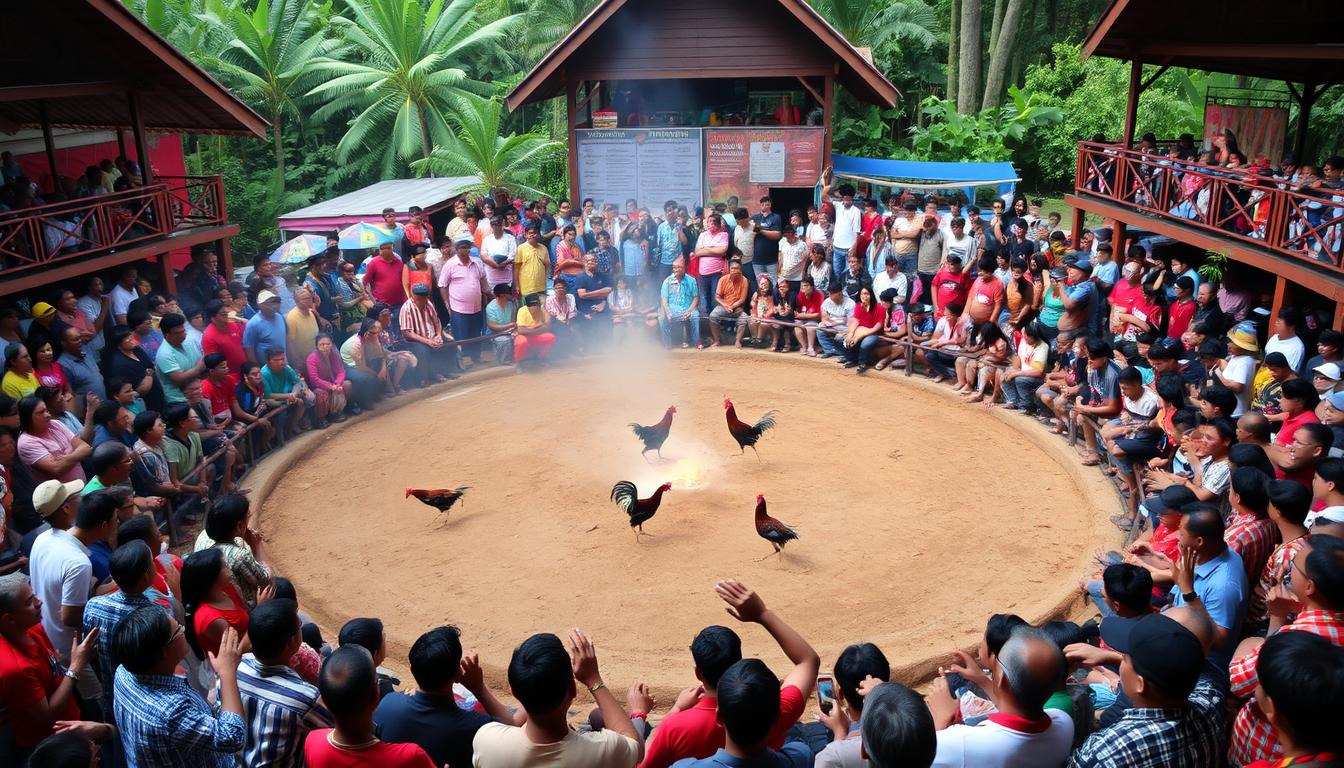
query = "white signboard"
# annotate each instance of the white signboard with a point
(767, 162)
(650, 165)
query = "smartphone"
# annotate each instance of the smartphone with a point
(825, 692)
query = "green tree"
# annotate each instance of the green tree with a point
(400, 74)
(548, 21)
(478, 150)
(988, 136)
(270, 61)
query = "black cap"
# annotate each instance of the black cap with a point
(1172, 498)
(532, 301)
(1160, 650)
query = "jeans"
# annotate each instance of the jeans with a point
(858, 353)
(839, 260)
(1094, 591)
(467, 325)
(830, 345)
(503, 349)
(664, 272)
(942, 363)
(432, 362)
(692, 325)
(1021, 392)
(366, 388)
(708, 286)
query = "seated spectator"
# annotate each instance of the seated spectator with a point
(48, 447)
(1027, 671)
(864, 333)
(280, 706)
(593, 290)
(132, 569)
(542, 677)
(227, 529)
(836, 312)
(1205, 453)
(1250, 533)
(1099, 397)
(182, 447)
(691, 729)
(1301, 678)
(1209, 577)
(763, 312)
(366, 364)
(1317, 595)
(730, 300)
(251, 397)
(162, 720)
(535, 338)
(748, 709)
(432, 717)
(122, 393)
(500, 317)
(1176, 715)
(853, 666)
(349, 690)
(35, 690)
(60, 403)
(287, 390)
(1019, 383)
(112, 423)
(1288, 510)
(425, 337)
(74, 748)
(150, 473)
(127, 360)
(326, 376)
(897, 728)
(20, 380)
(368, 634)
(680, 307)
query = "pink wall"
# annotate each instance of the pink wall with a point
(165, 155)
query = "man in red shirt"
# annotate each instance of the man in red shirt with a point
(35, 690)
(349, 686)
(382, 278)
(987, 294)
(224, 336)
(1302, 440)
(1182, 310)
(1125, 293)
(950, 285)
(692, 729)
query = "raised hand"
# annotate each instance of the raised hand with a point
(470, 673)
(743, 604)
(639, 698)
(230, 653)
(584, 658)
(82, 650)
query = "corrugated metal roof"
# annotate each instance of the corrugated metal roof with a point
(393, 193)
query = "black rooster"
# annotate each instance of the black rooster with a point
(656, 435)
(640, 510)
(747, 434)
(441, 499)
(772, 530)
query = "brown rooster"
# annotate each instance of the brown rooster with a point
(747, 434)
(772, 530)
(626, 496)
(441, 499)
(656, 435)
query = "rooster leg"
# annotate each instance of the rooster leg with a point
(758, 454)
(776, 552)
(644, 454)
(660, 453)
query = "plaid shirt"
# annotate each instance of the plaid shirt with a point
(1254, 538)
(1253, 737)
(1273, 574)
(1160, 738)
(165, 724)
(104, 612)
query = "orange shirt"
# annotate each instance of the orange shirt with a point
(732, 292)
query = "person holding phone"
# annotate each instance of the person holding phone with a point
(855, 664)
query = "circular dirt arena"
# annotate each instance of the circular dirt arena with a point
(918, 516)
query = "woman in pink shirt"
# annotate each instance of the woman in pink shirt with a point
(326, 375)
(711, 249)
(46, 446)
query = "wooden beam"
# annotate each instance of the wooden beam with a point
(572, 134)
(1118, 234)
(1132, 101)
(138, 129)
(592, 91)
(1305, 101)
(1103, 28)
(811, 90)
(62, 90)
(1079, 224)
(1148, 49)
(674, 73)
(50, 143)
(1282, 293)
(828, 93)
(1160, 71)
(1339, 316)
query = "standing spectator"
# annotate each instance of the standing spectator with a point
(80, 370)
(326, 375)
(132, 568)
(226, 529)
(1237, 371)
(302, 324)
(679, 306)
(425, 336)
(20, 378)
(321, 281)
(711, 250)
(792, 261)
(499, 251)
(985, 297)
(349, 687)
(46, 446)
(432, 716)
(280, 708)
(950, 285)
(266, 330)
(769, 228)
(162, 721)
(128, 361)
(906, 239)
(542, 677)
(1301, 678)
(123, 293)
(897, 728)
(1317, 594)
(1289, 503)
(178, 361)
(1286, 340)
(532, 264)
(465, 291)
(1176, 716)
(266, 277)
(382, 277)
(853, 666)
(224, 336)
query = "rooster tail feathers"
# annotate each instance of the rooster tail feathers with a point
(767, 421)
(462, 488)
(638, 429)
(624, 494)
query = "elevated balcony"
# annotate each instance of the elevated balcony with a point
(1294, 233)
(63, 240)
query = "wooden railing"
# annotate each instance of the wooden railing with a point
(92, 226)
(1299, 223)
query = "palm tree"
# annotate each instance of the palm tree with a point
(270, 60)
(868, 24)
(401, 73)
(547, 24)
(476, 149)
(177, 22)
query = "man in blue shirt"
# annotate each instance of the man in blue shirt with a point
(680, 305)
(266, 329)
(668, 240)
(132, 568)
(592, 289)
(748, 706)
(1210, 578)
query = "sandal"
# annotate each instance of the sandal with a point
(882, 365)
(1090, 459)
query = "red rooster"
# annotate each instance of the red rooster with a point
(655, 435)
(640, 510)
(770, 529)
(441, 499)
(747, 434)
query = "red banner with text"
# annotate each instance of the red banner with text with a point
(747, 162)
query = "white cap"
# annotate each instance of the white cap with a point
(266, 296)
(1329, 371)
(51, 495)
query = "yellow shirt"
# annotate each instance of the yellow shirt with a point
(525, 319)
(17, 386)
(300, 337)
(533, 262)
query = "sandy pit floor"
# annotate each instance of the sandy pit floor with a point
(917, 516)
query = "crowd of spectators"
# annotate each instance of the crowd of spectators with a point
(130, 412)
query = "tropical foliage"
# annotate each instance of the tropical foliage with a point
(477, 149)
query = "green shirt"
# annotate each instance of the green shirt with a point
(183, 456)
(95, 484)
(1060, 700)
(278, 383)
(171, 359)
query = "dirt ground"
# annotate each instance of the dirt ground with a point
(917, 516)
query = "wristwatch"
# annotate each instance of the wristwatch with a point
(1190, 597)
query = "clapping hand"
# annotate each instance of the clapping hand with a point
(743, 604)
(639, 698)
(688, 698)
(1183, 570)
(230, 653)
(584, 659)
(969, 668)
(470, 674)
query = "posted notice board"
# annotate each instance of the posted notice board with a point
(651, 165)
(748, 161)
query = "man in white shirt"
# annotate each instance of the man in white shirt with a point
(891, 277)
(836, 311)
(1237, 370)
(848, 222)
(1021, 733)
(1286, 340)
(542, 677)
(123, 293)
(497, 252)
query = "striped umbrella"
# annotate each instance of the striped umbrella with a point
(366, 235)
(298, 250)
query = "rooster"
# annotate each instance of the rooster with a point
(441, 499)
(770, 529)
(640, 510)
(656, 435)
(747, 434)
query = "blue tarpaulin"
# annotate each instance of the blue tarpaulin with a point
(919, 174)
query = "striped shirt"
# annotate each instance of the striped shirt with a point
(166, 724)
(423, 322)
(104, 612)
(281, 708)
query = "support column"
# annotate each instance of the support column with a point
(141, 148)
(1283, 293)
(1339, 315)
(1079, 219)
(1119, 231)
(1132, 102)
(571, 133)
(827, 98)
(50, 144)
(121, 141)
(225, 255)
(1304, 105)
(166, 272)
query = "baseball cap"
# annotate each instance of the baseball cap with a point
(1172, 498)
(1058, 272)
(463, 238)
(1329, 370)
(51, 495)
(42, 310)
(1243, 335)
(1103, 234)
(265, 296)
(1161, 651)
